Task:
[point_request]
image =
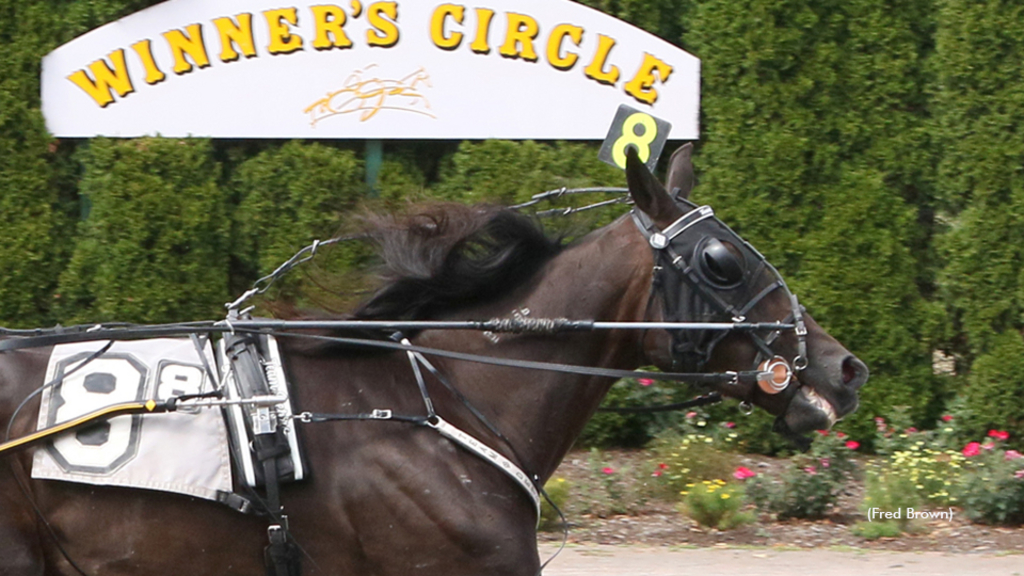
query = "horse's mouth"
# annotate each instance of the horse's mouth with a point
(811, 410)
(819, 402)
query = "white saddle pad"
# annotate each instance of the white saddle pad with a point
(184, 452)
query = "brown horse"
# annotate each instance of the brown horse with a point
(392, 498)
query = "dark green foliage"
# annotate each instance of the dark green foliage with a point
(816, 151)
(289, 197)
(980, 58)
(665, 18)
(510, 172)
(154, 247)
(995, 389)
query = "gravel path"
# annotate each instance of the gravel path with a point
(596, 560)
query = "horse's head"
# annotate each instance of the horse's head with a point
(704, 272)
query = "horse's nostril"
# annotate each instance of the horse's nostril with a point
(855, 372)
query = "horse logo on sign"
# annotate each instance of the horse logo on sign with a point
(369, 95)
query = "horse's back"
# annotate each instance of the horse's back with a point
(382, 497)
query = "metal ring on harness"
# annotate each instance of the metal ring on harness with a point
(777, 373)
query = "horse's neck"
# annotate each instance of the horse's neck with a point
(604, 277)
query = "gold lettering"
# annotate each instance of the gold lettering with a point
(442, 12)
(282, 41)
(106, 79)
(329, 22)
(595, 70)
(191, 44)
(641, 86)
(483, 29)
(232, 34)
(384, 32)
(153, 74)
(522, 30)
(558, 35)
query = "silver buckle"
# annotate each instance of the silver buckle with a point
(381, 414)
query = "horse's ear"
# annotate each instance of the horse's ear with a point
(650, 196)
(680, 179)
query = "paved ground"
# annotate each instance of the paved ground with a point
(646, 561)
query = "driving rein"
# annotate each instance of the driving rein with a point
(720, 269)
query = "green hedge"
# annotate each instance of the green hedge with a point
(154, 246)
(979, 119)
(816, 150)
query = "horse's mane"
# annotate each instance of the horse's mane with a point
(442, 257)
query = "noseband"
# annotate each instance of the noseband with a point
(721, 270)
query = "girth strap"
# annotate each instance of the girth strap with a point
(482, 450)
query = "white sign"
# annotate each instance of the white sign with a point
(518, 69)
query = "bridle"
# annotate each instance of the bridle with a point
(721, 271)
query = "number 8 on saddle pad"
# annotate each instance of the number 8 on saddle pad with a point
(184, 452)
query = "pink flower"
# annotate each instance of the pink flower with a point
(825, 462)
(1019, 474)
(811, 470)
(972, 449)
(823, 432)
(691, 415)
(1012, 455)
(999, 435)
(730, 424)
(852, 444)
(988, 445)
(644, 381)
(608, 470)
(840, 435)
(656, 473)
(742, 473)
(947, 417)
(911, 430)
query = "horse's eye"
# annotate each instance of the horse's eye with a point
(721, 265)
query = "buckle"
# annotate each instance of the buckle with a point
(276, 534)
(381, 414)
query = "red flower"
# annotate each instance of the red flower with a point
(911, 430)
(840, 435)
(656, 473)
(608, 470)
(662, 466)
(742, 473)
(947, 417)
(644, 381)
(823, 432)
(972, 449)
(999, 435)
(852, 444)
(730, 424)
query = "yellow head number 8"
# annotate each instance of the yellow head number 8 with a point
(642, 142)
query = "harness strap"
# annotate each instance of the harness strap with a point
(482, 450)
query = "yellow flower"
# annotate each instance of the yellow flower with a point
(725, 496)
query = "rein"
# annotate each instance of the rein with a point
(765, 374)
